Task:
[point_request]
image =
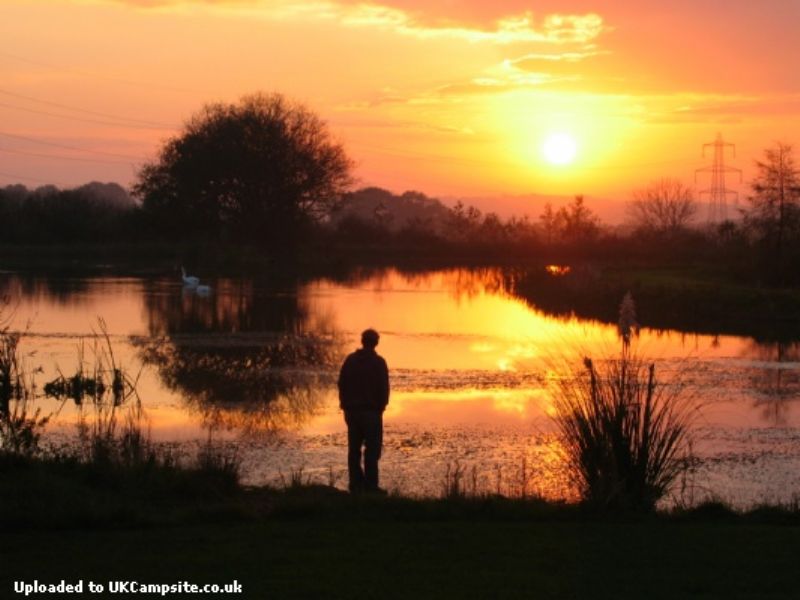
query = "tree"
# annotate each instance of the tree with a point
(774, 213)
(666, 206)
(579, 222)
(263, 169)
(572, 223)
(550, 224)
(463, 222)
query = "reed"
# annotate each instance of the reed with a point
(216, 464)
(453, 483)
(21, 424)
(296, 478)
(624, 432)
(113, 440)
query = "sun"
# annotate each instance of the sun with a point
(559, 149)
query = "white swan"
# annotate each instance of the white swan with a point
(203, 290)
(189, 280)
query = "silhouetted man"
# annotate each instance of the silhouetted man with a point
(363, 395)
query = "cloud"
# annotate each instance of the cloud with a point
(512, 29)
(489, 85)
(734, 109)
(469, 88)
(535, 61)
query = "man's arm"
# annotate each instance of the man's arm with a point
(384, 384)
(344, 381)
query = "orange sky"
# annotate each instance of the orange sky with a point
(454, 99)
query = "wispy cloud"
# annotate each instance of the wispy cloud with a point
(730, 109)
(535, 61)
(512, 29)
(495, 85)
(468, 88)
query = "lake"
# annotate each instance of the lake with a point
(253, 364)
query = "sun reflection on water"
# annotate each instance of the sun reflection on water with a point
(470, 365)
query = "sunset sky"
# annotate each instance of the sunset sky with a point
(453, 98)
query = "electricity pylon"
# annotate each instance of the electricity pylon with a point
(718, 193)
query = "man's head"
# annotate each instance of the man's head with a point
(369, 339)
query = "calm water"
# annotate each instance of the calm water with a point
(254, 365)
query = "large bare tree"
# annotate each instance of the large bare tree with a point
(665, 206)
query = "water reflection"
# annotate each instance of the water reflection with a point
(235, 306)
(459, 284)
(774, 378)
(468, 354)
(27, 288)
(243, 358)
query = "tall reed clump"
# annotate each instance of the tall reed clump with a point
(21, 425)
(623, 431)
(113, 444)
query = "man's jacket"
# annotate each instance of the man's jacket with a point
(364, 382)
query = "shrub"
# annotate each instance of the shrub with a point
(623, 431)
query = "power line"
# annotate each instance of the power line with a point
(88, 112)
(680, 161)
(62, 157)
(68, 147)
(13, 176)
(81, 119)
(62, 68)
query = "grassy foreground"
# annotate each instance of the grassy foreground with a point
(387, 558)
(316, 542)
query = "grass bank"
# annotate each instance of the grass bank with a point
(67, 520)
(693, 298)
(319, 256)
(315, 542)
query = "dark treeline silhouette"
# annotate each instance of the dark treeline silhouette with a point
(373, 224)
(95, 212)
(373, 212)
(415, 222)
(267, 174)
(412, 223)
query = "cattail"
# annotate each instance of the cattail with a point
(627, 325)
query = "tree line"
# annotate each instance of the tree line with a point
(268, 171)
(48, 215)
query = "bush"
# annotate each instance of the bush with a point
(623, 432)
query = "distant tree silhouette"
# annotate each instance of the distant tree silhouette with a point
(773, 217)
(664, 207)
(262, 169)
(94, 212)
(492, 230)
(580, 223)
(463, 222)
(550, 224)
(572, 223)
(383, 210)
